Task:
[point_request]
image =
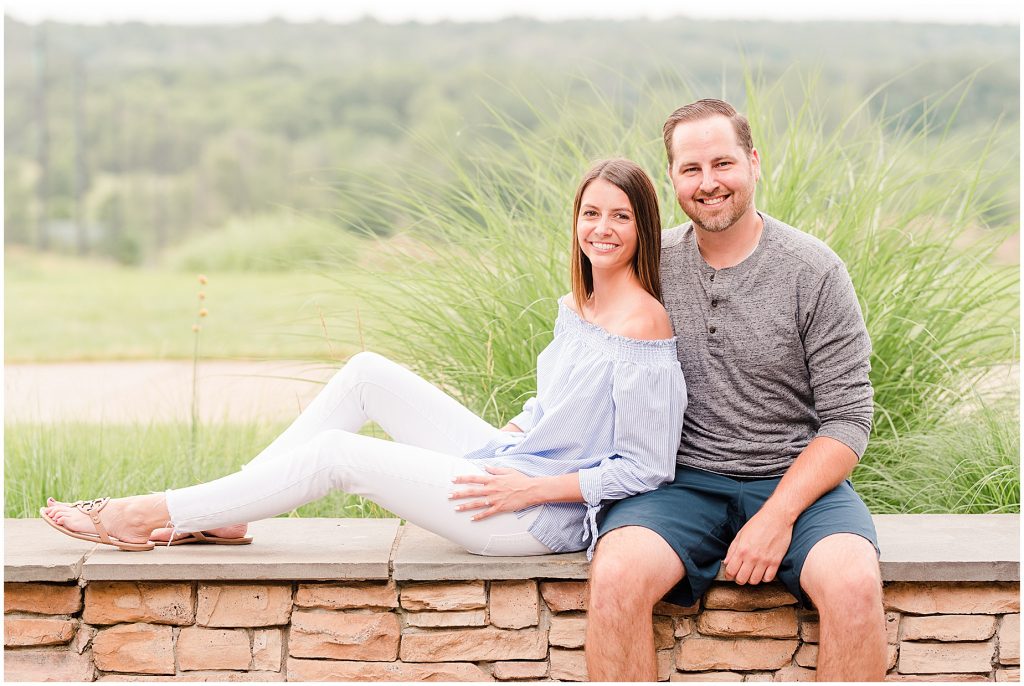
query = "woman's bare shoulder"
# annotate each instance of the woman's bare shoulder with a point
(648, 322)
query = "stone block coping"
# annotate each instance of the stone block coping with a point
(914, 548)
(283, 549)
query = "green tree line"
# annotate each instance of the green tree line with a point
(124, 140)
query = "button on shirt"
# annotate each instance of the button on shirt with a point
(608, 407)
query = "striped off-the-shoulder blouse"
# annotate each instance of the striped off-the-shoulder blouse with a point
(607, 407)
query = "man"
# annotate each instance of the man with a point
(775, 353)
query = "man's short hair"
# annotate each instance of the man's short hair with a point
(704, 109)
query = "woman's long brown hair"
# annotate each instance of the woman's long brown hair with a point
(634, 182)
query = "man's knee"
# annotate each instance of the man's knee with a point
(633, 568)
(841, 572)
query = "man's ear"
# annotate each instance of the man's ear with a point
(755, 160)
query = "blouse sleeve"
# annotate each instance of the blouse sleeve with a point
(524, 420)
(649, 401)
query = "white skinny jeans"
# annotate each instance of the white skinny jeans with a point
(411, 476)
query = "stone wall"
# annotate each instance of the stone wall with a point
(479, 630)
(370, 600)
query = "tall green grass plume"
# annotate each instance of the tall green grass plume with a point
(197, 327)
(468, 285)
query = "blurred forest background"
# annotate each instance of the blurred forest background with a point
(145, 143)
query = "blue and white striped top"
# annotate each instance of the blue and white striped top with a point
(608, 407)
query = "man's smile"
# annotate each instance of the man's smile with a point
(713, 200)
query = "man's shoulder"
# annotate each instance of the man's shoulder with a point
(799, 246)
(671, 238)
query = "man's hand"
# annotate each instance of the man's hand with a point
(500, 490)
(758, 549)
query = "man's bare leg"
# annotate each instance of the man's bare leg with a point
(842, 578)
(633, 568)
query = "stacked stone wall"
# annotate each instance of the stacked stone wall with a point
(482, 630)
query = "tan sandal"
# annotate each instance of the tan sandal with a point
(200, 537)
(93, 508)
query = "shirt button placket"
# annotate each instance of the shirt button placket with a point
(713, 319)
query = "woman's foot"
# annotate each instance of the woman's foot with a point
(127, 519)
(163, 534)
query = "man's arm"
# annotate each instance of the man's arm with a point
(758, 549)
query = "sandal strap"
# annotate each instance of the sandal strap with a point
(93, 508)
(199, 535)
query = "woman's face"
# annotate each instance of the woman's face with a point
(606, 226)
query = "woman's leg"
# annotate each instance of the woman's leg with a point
(373, 388)
(412, 482)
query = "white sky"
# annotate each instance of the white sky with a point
(211, 11)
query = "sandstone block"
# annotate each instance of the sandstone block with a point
(936, 658)
(706, 676)
(568, 665)
(514, 604)
(134, 648)
(331, 670)
(1007, 675)
(777, 623)
(83, 638)
(949, 628)
(37, 631)
(807, 655)
(153, 602)
(200, 648)
(433, 620)
(266, 650)
(976, 598)
(896, 676)
(473, 645)
(892, 627)
(468, 595)
(47, 665)
(565, 596)
(666, 664)
(664, 632)
(809, 632)
(696, 653)
(892, 654)
(567, 631)
(43, 599)
(670, 610)
(508, 671)
(684, 626)
(791, 673)
(244, 605)
(759, 676)
(342, 636)
(347, 596)
(1009, 640)
(212, 675)
(760, 597)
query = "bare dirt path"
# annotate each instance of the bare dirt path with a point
(159, 391)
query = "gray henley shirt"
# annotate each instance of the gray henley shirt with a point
(774, 352)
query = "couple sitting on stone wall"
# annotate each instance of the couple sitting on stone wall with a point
(742, 465)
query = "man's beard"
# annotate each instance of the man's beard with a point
(721, 222)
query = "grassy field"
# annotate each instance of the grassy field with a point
(967, 466)
(63, 309)
(72, 461)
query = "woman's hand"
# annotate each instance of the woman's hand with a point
(500, 490)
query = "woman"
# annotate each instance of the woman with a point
(605, 422)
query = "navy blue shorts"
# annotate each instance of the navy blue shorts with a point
(700, 512)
